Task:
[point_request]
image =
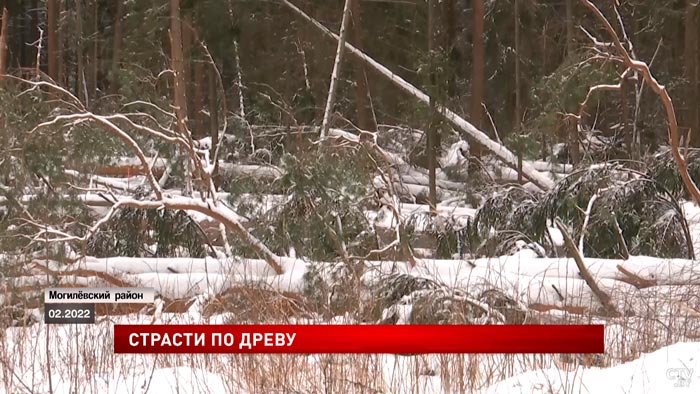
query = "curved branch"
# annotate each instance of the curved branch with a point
(114, 129)
(661, 91)
(219, 213)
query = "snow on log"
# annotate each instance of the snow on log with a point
(541, 283)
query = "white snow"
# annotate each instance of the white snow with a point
(82, 361)
(673, 369)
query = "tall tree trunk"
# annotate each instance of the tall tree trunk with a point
(94, 56)
(570, 48)
(213, 114)
(518, 103)
(335, 75)
(449, 16)
(179, 84)
(81, 88)
(571, 127)
(187, 41)
(626, 131)
(116, 47)
(478, 70)
(365, 112)
(52, 34)
(691, 71)
(434, 48)
(61, 46)
(5, 22)
(179, 89)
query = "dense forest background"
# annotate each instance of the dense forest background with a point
(528, 62)
(244, 86)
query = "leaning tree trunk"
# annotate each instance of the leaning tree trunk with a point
(336, 70)
(691, 71)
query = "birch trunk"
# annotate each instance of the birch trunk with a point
(336, 70)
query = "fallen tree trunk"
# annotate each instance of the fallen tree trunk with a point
(127, 168)
(552, 282)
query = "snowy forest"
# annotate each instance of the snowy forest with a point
(352, 162)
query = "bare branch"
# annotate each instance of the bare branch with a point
(114, 129)
(602, 296)
(661, 91)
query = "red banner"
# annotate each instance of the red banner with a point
(359, 339)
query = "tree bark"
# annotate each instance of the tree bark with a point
(52, 47)
(504, 154)
(61, 46)
(449, 17)
(188, 37)
(434, 49)
(213, 116)
(80, 88)
(4, 23)
(365, 112)
(179, 89)
(518, 103)
(116, 47)
(478, 70)
(336, 70)
(94, 56)
(570, 48)
(691, 71)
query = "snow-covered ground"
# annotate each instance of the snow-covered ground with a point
(82, 362)
(672, 369)
(665, 314)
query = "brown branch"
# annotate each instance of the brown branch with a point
(219, 213)
(113, 280)
(635, 280)
(661, 91)
(602, 296)
(500, 151)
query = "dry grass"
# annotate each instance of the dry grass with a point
(81, 358)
